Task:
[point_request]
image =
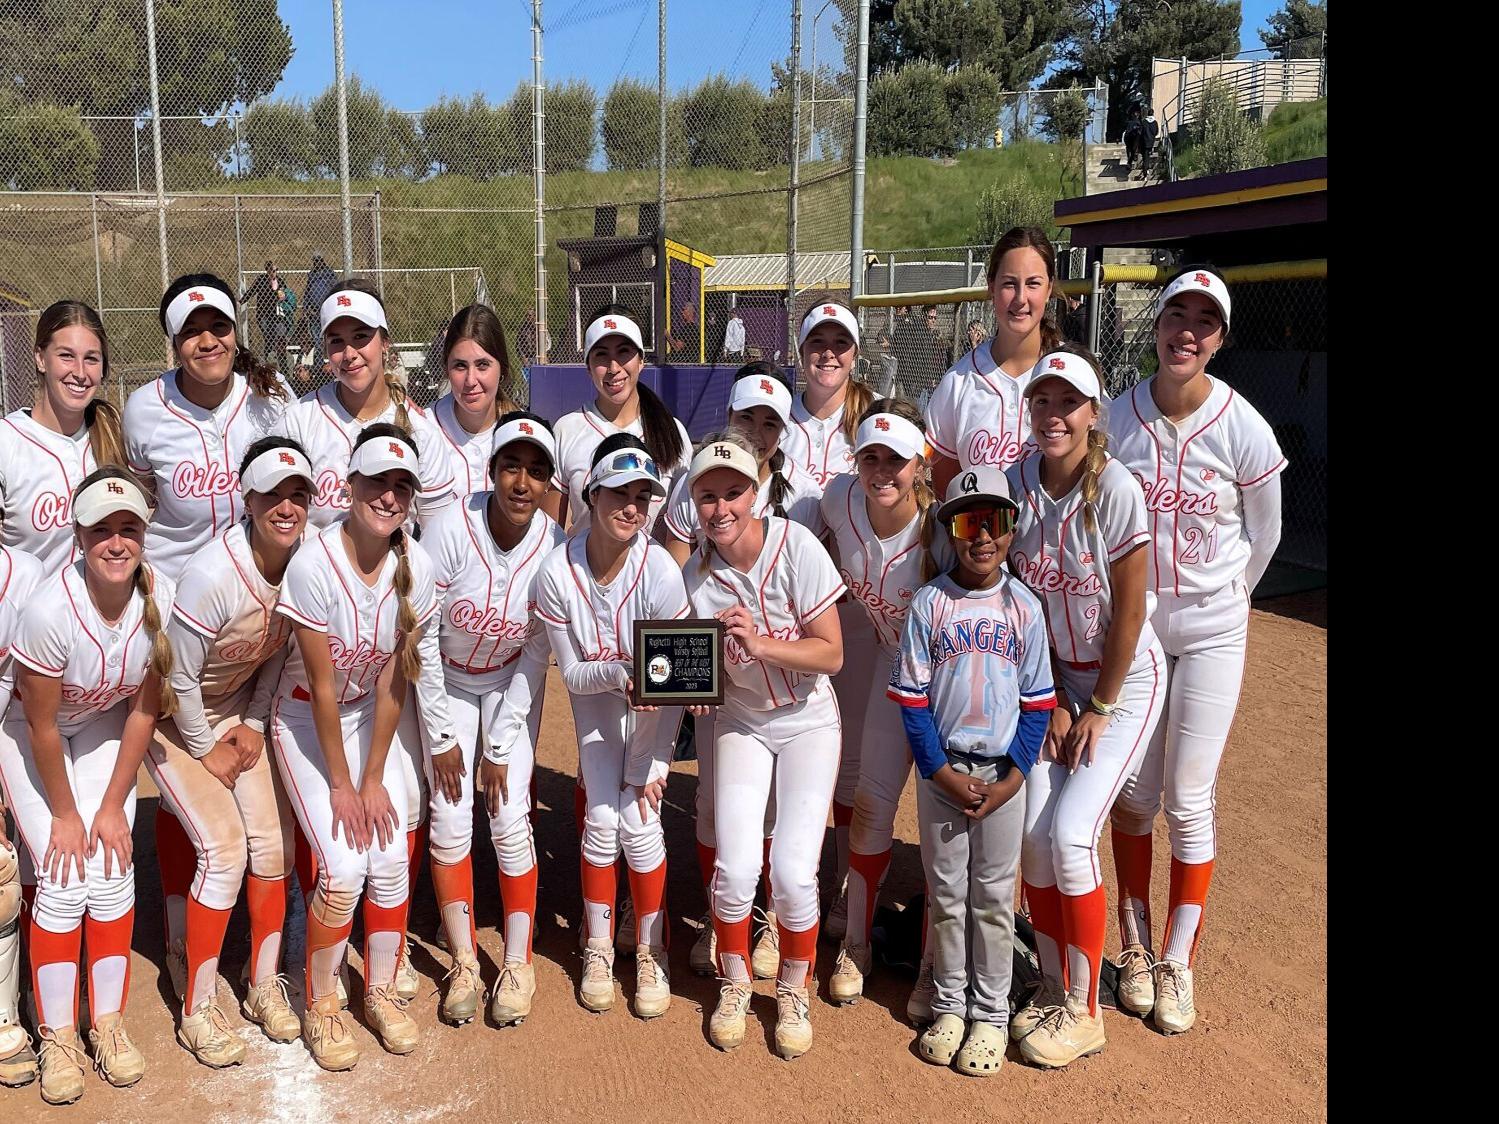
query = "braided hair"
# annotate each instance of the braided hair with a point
(406, 622)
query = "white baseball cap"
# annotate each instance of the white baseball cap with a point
(524, 429)
(821, 314)
(612, 324)
(273, 466)
(625, 466)
(762, 390)
(1071, 368)
(199, 296)
(106, 496)
(723, 454)
(1197, 281)
(383, 454)
(981, 482)
(893, 432)
(351, 302)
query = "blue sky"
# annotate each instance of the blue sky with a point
(415, 53)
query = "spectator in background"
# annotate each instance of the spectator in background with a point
(889, 370)
(321, 281)
(1074, 319)
(527, 339)
(682, 340)
(908, 343)
(733, 338)
(976, 333)
(1134, 135)
(267, 290)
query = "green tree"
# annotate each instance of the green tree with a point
(973, 104)
(632, 128)
(1224, 137)
(1115, 40)
(279, 139)
(1014, 39)
(908, 113)
(381, 140)
(45, 147)
(1064, 115)
(1012, 201)
(723, 123)
(1298, 30)
(470, 138)
(571, 136)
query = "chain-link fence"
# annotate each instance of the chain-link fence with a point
(1276, 357)
(113, 178)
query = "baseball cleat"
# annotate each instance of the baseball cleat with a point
(461, 1003)
(849, 970)
(206, 1035)
(765, 960)
(983, 1053)
(940, 1041)
(385, 1010)
(19, 1065)
(652, 984)
(61, 1065)
(1136, 986)
(177, 967)
(408, 983)
(1066, 1033)
(115, 1056)
(513, 991)
(268, 1006)
(596, 988)
(1175, 1010)
(1043, 1000)
(703, 958)
(793, 1024)
(836, 925)
(329, 1034)
(726, 1026)
(919, 1003)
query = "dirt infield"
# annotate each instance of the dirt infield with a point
(1259, 1050)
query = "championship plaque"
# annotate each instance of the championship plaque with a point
(679, 662)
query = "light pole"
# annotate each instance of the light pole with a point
(812, 111)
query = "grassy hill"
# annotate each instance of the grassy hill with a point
(1294, 131)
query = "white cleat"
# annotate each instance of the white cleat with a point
(852, 965)
(1136, 987)
(726, 1026)
(652, 983)
(596, 988)
(765, 960)
(793, 1022)
(1175, 1010)
(703, 958)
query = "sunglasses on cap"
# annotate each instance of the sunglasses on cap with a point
(966, 525)
(629, 462)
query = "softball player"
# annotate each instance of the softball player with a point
(977, 413)
(974, 684)
(771, 582)
(883, 542)
(367, 388)
(208, 762)
(1078, 546)
(1210, 467)
(615, 354)
(474, 355)
(48, 448)
(187, 431)
(92, 664)
(590, 592)
(358, 594)
(487, 552)
(20, 574)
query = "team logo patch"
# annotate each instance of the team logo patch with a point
(1208, 474)
(345, 302)
(115, 489)
(610, 324)
(395, 447)
(1057, 364)
(970, 483)
(829, 310)
(1086, 558)
(766, 388)
(723, 452)
(525, 427)
(658, 671)
(882, 424)
(1204, 280)
(195, 296)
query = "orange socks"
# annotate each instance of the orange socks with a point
(733, 948)
(798, 954)
(868, 869)
(598, 900)
(1189, 896)
(205, 940)
(648, 891)
(1085, 918)
(454, 885)
(1132, 873)
(325, 952)
(518, 901)
(384, 934)
(54, 974)
(1051, 933)
(266, 898)
(108, 963)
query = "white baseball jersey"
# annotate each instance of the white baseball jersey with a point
(578, 435)
(882, 575)
(1192, 473)
(791, 584)
(817, 446)
(223, 597)
(192, 455)
(63, 636)
(38, 471)
(800, 505)
(487, 594)
(1066, 565)
(322, 591)
(321, 425)
(977, 658)
(468, 452)
(20, 574)
(978, 415)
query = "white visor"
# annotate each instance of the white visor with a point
(893, 432)
(273, 466)
(104, 497)
(524, 429)
(351, 302)
(1070, 368)
(381, 455)
(625, 466)
(1198, 281)
(199, 296)
(821, 314)
(612, 325)
(723, 454)
(762, 390)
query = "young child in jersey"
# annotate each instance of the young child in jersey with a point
(590, 592)
(777, 734)
(974, 684)
(92, 669)
(475, 358)
(488, 551)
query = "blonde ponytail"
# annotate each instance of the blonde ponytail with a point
(405, 614)
(161, 648)
(926, 504)
(1097, 457)
(395, 385)
(856, 401)
(106, 433)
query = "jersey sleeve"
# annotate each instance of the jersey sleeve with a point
(189, 653)
(942, 417)
(44, 636)
(306, 597)
(439, 491)
(679, 514)
(203, 603)
(818, 583)
(580, 676)
(424, 599)
(1257, 455)
(1122, 512)
(911, 676)
(138, 423)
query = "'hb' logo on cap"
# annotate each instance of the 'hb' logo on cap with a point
(882, 423)
(723, 451)
(525, 427)
(766, 387)
(971, 482)
(1057, 364)
(829, 310)
(195, 295)
(610, 324)
(395, 447)
(1202, 279)
(345, 302)
(287, 458)
(115, 489)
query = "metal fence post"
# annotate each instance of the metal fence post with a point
(796, 163)
(379, 244)
(538, 145)
(1181, 93)
(93, 206)
(661, 127)
(861, 113)
(239, 249)
(1095, 305)
(161, 198)
(343, 133)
